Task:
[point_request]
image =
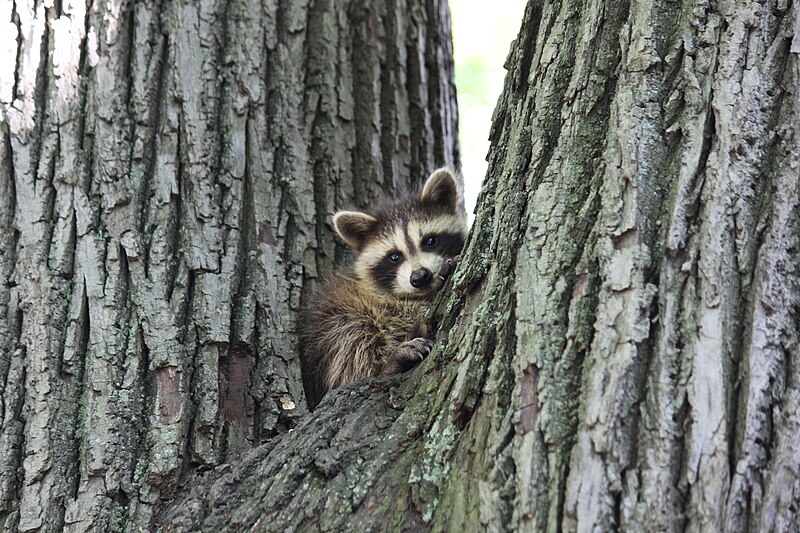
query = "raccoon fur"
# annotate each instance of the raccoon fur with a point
(367, 320)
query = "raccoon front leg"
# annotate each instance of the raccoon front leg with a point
(422, 329)
(444, 272)
(408, 355)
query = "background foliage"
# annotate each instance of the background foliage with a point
(482, 34)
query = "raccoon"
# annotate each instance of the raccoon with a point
(367, 321)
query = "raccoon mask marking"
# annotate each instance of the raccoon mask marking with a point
(402, 246)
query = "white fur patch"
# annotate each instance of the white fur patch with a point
(404, 279)
(352, 226)
(441, 179)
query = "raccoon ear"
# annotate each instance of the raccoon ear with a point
(354, 227)
(442, 190)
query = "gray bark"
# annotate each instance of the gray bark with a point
(619, 346)
(167, 172)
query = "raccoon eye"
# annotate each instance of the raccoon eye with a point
(430, 241)
(394, 257)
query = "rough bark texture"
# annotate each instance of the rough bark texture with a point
(619, 348)
(167, 173)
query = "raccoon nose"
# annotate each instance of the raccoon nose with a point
(421, 278)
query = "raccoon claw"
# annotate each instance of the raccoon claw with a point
(447, 269)
(408, 355)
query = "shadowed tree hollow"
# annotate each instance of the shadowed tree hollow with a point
(618, 348)
(167, 175)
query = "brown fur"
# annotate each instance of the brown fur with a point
(368, 321)
(350, 331)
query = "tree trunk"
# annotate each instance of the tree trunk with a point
(619, 347)
(167, 172)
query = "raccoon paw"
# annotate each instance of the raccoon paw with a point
(408, 355)
(441, 278)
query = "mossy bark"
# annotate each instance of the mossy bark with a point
(167, 175)
(618, 348)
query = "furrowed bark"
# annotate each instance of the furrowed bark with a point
(167, 174)
(618, 348)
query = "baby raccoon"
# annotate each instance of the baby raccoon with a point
(368, 321)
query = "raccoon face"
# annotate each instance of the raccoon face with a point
(402, 246)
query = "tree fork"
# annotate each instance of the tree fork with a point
(619, 348)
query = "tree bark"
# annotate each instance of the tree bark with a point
(167, 172)
(618, 349)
